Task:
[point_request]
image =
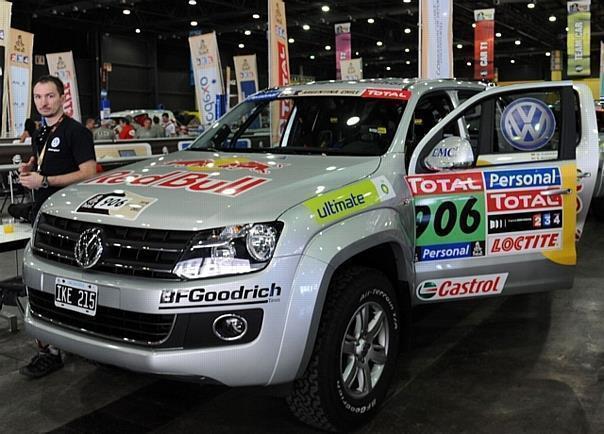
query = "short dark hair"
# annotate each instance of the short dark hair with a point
(166, 114)
(52, 79)
(155, 120)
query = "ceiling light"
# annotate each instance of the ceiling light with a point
(193, 23)
(256, 16)
(512, 61)
(473, 25)
(547, 53)
(192, 2)
(137, 30)
(388, 68)
(356, 53)
(407, 50)
(241, 45)
(517, 42)
(312, 57)
(126, 11)
(305, 27)
(406, 1)
(325, 8)
(530, 5)
(379, 43)
(407, 30)
(469, 63)
(327, 47)
(552, 18)
(247, 32)
(408, 62)
(370, 20)
(498, 34)
(459, 46)
(566, 29)
(291, 40)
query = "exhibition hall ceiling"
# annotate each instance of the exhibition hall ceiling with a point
(384, 32)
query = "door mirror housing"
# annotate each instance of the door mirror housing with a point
(450, 153)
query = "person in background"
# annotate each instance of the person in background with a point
(104, 131)
(168, 124)
(159, 130)
(126, 131)
(146, 132)
(28, 131)
(63, 155)
(90, 124)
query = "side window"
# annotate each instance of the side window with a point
(429, 111)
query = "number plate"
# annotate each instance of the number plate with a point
(75, 295)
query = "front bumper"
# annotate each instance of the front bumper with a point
(251, 363)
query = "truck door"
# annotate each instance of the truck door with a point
(496, 201)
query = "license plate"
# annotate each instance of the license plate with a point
(76, 296)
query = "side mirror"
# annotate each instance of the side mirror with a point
(450, 153)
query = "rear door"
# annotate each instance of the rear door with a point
(496, 211)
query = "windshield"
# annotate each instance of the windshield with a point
(309, 125)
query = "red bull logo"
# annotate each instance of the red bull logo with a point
(228, 164)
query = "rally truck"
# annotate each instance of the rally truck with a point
(294, 254)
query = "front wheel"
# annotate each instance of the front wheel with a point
(354, 355)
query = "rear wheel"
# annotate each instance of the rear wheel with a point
(354, 355)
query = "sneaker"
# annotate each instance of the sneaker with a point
(42, 364)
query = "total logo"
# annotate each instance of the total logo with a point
(521, 200)
(461, 287)
(445, 183)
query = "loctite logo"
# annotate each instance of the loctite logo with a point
(445, 183)
(521, 200)
(523, 243)
(462, 287)
(178, 179)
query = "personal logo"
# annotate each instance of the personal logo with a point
(528, 124)
(55, 142)
(89, 247)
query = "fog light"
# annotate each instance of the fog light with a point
(229, 327)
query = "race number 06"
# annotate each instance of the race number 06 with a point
(446, 218)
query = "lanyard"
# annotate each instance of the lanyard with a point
(43, 152)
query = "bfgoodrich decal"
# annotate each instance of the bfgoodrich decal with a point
(201, 297)
(461, 287)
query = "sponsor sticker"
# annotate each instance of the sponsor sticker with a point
(330, 92)
(528, 124)
(120, 204)
(511, 244)
(461, 287)
(401, 94)
(269, 95)
(522, 222)
(226, 163)
(520, 200)
(450, 251)
(349, 200)
(523, 178)
(443, 183)
(202, 297)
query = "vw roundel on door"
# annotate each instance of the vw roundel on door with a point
(291, 254)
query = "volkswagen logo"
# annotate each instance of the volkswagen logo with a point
(528, 124)
(89, 247)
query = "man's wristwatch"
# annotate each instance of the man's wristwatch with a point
(44, 182)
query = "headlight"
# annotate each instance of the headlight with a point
(234, 249)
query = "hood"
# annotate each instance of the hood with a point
(193, 190)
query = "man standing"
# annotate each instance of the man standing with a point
(63, 155)
(168, 125)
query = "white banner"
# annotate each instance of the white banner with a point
(20, 65)
(352, 69)
(436, 41)
(209, 88)
(246, 72)
(5, 15)
(278, 64)
(61, 65)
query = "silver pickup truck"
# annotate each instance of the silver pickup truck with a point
(293, 254)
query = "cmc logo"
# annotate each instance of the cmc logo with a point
(528, 124)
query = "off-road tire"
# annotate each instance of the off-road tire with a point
(320, 398)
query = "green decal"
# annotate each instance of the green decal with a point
(343, 202)
(449, 219)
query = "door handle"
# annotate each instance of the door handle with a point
(581, 175)
(555, 192)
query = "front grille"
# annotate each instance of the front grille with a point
(131, 251)
(116, 324)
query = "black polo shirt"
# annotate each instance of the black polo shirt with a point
(68, 146)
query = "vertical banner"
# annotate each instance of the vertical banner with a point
(209, 88)
(246, 72)
(278, 67)
(484, 44)
(343, 48)
(352, 69)
(578, 38)
(436, 41)
(61, 65)
(601, 72)
(5, 15)
(20, 52)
